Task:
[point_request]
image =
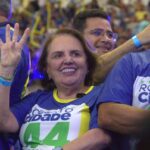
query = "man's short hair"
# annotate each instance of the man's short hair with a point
(79, 21)
(5, 8)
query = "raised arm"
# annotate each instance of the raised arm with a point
(107, 60)
(10, 55)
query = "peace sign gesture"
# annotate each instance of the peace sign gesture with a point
(10, 51)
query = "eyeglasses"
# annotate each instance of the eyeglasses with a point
(100, 32)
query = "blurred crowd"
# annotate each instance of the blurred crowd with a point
(43, 16)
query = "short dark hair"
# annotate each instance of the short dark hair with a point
(6, 8)
(42, 65)
(79, 21)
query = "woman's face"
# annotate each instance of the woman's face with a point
(66, 61)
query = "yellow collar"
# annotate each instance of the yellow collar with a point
(55, 95)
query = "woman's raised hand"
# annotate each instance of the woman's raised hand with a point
(10, 51)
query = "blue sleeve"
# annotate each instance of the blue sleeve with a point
(118, 86)
(21, 109)
(100, 86)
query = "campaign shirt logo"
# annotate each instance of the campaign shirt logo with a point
(43, 115)
(141, 92)
(45, 129)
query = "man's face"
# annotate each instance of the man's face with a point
(99, 34)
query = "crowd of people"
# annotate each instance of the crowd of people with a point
(82, 103)
(48, 16)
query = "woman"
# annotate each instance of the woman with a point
(62, 114)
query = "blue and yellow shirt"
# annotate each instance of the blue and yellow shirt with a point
(47, 121)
